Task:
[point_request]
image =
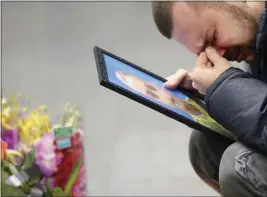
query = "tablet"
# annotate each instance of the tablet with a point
(147, 88)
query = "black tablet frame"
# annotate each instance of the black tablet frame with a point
(104, 81)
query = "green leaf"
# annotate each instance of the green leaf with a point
(48, 194)
(12, 168)
(49, 190)
(73, 177)
(30, 159)
(34, 180)
(48, 185)
(26, 188)
(5, 166)
(8, 190)
(57, 191)
(4, 176)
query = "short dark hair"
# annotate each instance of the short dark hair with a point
(162, 16)
(162, 13)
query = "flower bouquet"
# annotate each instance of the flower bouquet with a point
(40, 157)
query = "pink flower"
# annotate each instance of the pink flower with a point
(46, 157)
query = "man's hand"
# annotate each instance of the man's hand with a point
(181, 78)
(209, 66)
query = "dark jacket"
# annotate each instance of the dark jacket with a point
(238, 100)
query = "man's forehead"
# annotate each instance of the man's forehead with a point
(188, 29)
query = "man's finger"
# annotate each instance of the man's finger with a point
(209, 64)
(199, 75)
(212, 55)
(196, 75)
(195, 86)
(174, 80)
(202, 60)
(199, 88)
(187, 83)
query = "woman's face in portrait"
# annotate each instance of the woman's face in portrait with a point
(145, 88)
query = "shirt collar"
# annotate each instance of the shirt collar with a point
(262, 24)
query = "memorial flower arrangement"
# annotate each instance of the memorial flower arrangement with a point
(40, 157)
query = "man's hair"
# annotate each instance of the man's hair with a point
(162, 13)
(162, 16)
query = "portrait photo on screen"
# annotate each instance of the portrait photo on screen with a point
(151, 88)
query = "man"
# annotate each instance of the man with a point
(219, 32)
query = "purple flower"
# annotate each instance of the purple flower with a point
(10, 137)
(45, 155)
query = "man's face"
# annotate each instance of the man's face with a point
(231, 30)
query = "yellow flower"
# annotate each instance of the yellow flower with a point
(8, 114)
(31, 126)
(34, 126)
(5, 124)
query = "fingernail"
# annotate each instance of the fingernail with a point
(165, 86)
(167, 83)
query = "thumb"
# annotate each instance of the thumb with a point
(213, 55)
